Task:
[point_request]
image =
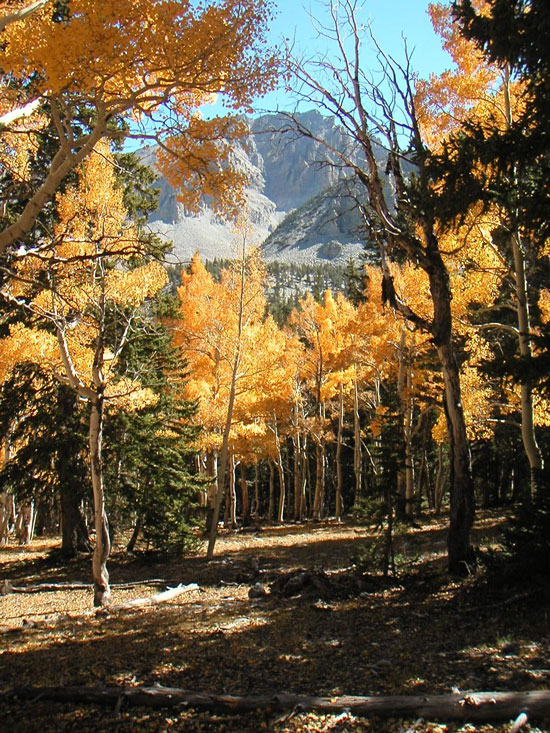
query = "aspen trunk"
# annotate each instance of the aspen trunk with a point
(212, 473)
(530, 445)
(298, 483)
(7, 516)
(244, 495)
(24, 525)
(228, 420)
(319, 497)
(232, 494)
(401, 380)
(339, 479)
(440, 481)
(407, 436)
(102, 548)
(357, 448)
(281, 473)
(271, 508)
(256, 506)
(282, 488)
(7, 506)
(202, 468)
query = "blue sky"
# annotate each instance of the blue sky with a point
(391, 20)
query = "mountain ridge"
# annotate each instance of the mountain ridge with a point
(301, 208)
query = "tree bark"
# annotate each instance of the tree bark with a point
(297, 467)
(271, 505)
(7, 516)
(74, 533)
(212, 472)
(338, 508)
(530, 445)
(64, 161)
(24, 523)
(102, 547)
(244, 495)
(462, 507)
(281, 473)
(256, 504)
(232, 494)
(319, 497)
(228, 419)
(357, 449)
(475, 707)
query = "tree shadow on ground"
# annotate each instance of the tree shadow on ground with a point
(423, 633)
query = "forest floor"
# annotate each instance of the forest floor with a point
(331, 631)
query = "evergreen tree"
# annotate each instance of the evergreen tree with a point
(45, 424)
(516, 166)
(150, 459)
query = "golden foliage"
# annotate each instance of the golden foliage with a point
(86, 269)
(152, 61)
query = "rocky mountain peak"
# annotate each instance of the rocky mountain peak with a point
(297, 206)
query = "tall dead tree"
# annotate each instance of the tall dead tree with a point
(386, 155)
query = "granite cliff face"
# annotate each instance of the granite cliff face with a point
(300, 208)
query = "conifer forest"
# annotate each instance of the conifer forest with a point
(264, 493)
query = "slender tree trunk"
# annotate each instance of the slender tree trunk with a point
(271, 509)
(308, 484)
(462, 490)
(357, 449)
(212, 473)
(135, 534)
(7, 505)
(244, 495)
(281, 472)
(256, 507)
(401, 383)
(441, 480)
(102, 548)
(298, 483)
(319, 498)
(223, 464)
(24, 526)
(7, 516)
(407, 436)
(282, 488)
(228, 419)
(530, 445)
(339, 478)
(74, 533)
(232, 493)
(201, 467)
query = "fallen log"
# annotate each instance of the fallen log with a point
(7, 588)
(155, 600)
(476, 707)
(135, 603)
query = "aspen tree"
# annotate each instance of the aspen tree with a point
(404, 222)
(89, 71)
(477, 92)
(87, 273)
(234, 382)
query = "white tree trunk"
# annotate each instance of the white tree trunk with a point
(102, 547)
(339, 478)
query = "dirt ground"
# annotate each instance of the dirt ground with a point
(342, 633)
